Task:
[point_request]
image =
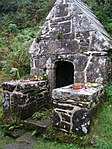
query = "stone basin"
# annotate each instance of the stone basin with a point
(84, 94)
(25, 97)
(74, 109)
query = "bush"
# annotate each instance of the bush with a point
(23, 13)
(12, 28)
(18, 56)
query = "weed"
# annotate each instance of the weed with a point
(38, 39)
(43, 114)
(59, 35)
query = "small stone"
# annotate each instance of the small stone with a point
(26, 139)
(15, 133)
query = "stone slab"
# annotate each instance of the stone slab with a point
(42, 123)
(68, 92)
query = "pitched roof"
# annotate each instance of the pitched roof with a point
(73, 17)
(77, 7)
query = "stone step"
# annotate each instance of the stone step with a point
(26, 138)
(39, 123)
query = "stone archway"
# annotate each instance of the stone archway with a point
(64, 73)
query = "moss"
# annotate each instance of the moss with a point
(38, 38)
(59, 35)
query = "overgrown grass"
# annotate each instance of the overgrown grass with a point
(102, 130)
(54, 145)
(14, 51)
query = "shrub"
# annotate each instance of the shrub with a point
(18, 56)
(12, 28)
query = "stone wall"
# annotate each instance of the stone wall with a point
(72, 33)
(74, 109)
(25, 98)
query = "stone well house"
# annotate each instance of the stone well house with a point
(72, 46)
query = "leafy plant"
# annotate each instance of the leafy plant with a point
(18, 56)
(13, 28)
(15, 73)
(34, 132)
(38, 38)
(43, 114)
(59, 35)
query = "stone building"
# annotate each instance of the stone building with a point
(72, 46)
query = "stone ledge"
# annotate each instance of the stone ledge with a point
(68, 93)
(74, 109)
(25, 98)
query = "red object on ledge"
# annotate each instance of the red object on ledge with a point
(77, 87)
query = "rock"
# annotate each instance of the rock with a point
(68, 93)
(38, 126)
(15, 133)
(16, 145)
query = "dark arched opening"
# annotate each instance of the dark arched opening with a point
(64, 73)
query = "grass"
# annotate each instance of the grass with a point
(4, 141)
(100, 136)
(53, 145)
(102, 130)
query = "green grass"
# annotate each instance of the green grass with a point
(4, 141)
(103, 128)
(53, 145)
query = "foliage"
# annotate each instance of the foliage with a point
(38, 38)
(59, 35)
(16, 53)
(1, 109)
(102, 144)
(19, 22)
(23, 13)
(108, 92)
(43, 114)
(18, 56)
(12, 28)
(102, 9)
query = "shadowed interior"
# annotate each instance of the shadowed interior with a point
(64, 73)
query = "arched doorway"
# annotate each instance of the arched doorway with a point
(64, 73)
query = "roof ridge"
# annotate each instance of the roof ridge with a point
(88, 13)
(92, 17)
